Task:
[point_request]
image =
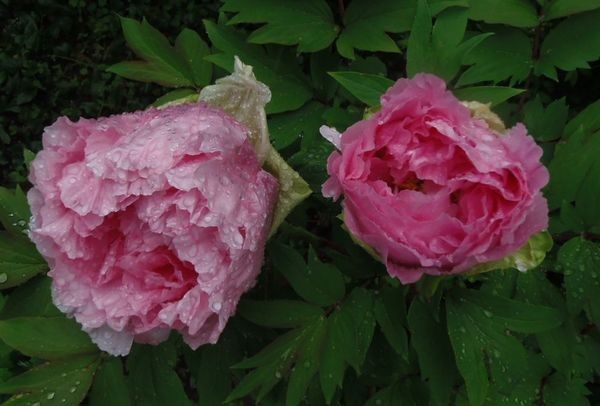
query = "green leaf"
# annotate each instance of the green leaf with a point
(319, 285)
(570, 45)
(512, 314)
(587, 121)
(152, 378)
(487, 94)
(365, 87)
(512, 386)
(286, 128)
(525, 258)
(30, 300)
(282, 348)
(517, 13)
(390, 313)
(580, 261)
(176, 96)
(281, 72)
(504, 55)
(569, 219)
(336, 346)
(562, 8)
(311, 160)
(438, 48)
(28, 156)
(62, 382)
(391, 394)
(193, 49)
(574, 171)
(570, 164)
(420, 53)
(430, 340)
(486, 352)
(148, 72)
(561, 390)
(210, 367)
(366, 23)
(14, 210)
(273, 361)
(309, 24)
(587, 356)
(307, 365)
(546, 123)
(264, 378)
(46, 337)
(279, 313)
(556, 344)
(326, 274)
(358, 311)
(476, 338)
(110, 386)
(150, 45)
(19, 260)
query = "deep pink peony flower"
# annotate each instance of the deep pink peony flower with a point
(151, 221)
(432, 189)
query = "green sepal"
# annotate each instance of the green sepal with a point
(527, 257)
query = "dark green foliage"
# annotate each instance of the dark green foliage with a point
(324, 324)
(53, 62)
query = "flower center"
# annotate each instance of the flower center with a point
(411, 183)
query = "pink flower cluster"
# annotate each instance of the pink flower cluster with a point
(150, 221)
(432, 189)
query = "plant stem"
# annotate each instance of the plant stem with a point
(341, 8)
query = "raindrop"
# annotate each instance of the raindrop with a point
(487, 313)
(50, 396)
(278, 375)
(216, 306)
(73, 389)
(3, 277)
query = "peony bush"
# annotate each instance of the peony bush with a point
(334, 203)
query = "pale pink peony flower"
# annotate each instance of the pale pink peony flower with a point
(432, 189)
(151, 221)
